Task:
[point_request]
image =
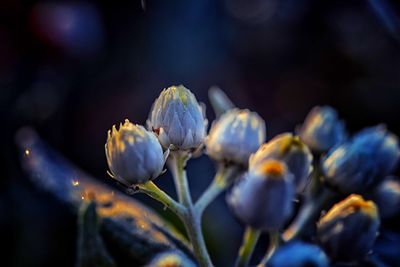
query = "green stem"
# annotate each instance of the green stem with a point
(250, 239)
(191, 220)
(221, 181)
(194, 231)
(310, 209)
(156, 193)
(273, 245)
(177, 166)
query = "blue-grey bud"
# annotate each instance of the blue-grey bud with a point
(348, 230)
(361, 163)
(299, 254)
(235, 136)
(292, 151)
(387, 197)
(172, 258)
(263, 197)
(134, 154)
(322, 129)
(346, 168)
(381, 145)
(387, 247)
(178, 119)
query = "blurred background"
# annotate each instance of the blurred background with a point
(72, 69)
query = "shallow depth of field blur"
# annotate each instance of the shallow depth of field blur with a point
(72, 69)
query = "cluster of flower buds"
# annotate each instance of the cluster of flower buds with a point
(273, 173)
(177, 121)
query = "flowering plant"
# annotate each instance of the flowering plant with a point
(280, 187)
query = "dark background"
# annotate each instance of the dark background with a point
(72, 69)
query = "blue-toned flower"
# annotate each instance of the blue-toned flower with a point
(263, 197)
(322, 129)
(299, 254)
(292, 151)
(171, 259)
(387, 247)
(347, 168)
(382, 145)
(235, 136)
(362, 162)
(348, 230)
(178, 119)
(134, 154)
(387, 197)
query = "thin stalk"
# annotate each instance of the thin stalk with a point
(152, 190)
(273, 245)
(191, 219)
(220, 183)
(177, 165)
(250, 239)
(194, 231)
(310, 209)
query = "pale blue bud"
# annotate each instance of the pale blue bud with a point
(178, 119)
(299, 254)
(263, 197)
(235, 136)
(292, 151)
(134, 154)
(387, 197)
(348, 230)
(171, 259)
(322, 129)
(362, 162)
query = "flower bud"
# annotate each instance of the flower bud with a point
(171, 259)
(387, 197)
(361, 163)
(322, 129)
(348, 230)
(235, 136)
(346, 168)
(263, 197)
(134, 154)
(178, 119)
(381, 145)
(299, 254)
(292, 151)
(387, 248)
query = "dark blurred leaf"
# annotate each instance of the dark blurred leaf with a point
(130, 230)
(91, 249)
